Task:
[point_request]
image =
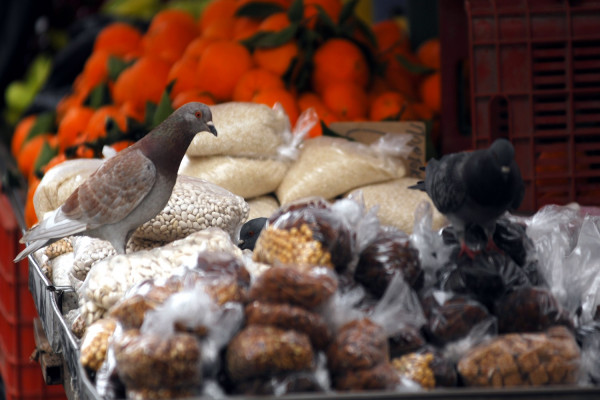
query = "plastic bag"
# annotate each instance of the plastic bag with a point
(530, 309)
(451, 317)
(566, 243)
(244, 176)
(313, 232)
(109, 279)
(329, 167)
(59, 182)
(397, 203)
(548, 358)
(304, 288)
(245, 129)
(195, 205)
(262, 207)
(388, 253)
(94, 343)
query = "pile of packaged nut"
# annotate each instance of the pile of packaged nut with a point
(331, 298)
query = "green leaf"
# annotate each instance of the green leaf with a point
(116, 66)
(44, 123)
(46, 154)
(271, 39)
(258, 10)
(347, 10)
(366, 30)
(164, 108)
(412, 67)
(150, 111)
(99, 96)
(296, 11)
(326, 20)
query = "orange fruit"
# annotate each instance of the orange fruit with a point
(95, 71)
(339, 60)
(130, 110)
(54, 161)
(30, 215)
(309, 99)
(253, 81)
(197, 47)
(141, 82)
(390, 36)
(30, 152)
(428, 53)
(331, 7)
(96, 127)
(282, 96)
(423, 112)
(431, 91)
(72, 126)
(20, 133)
(399, 79)
(347, 100)
(191, 95)
(220, 28)
(74, 99)
(388, 105)
(183, 72)
(216, 9)
(169, 34)
(285, 4)
(276, 59)
(119, 39)
(221, 65)
(274, 22)
(244, 27)
(121, 145)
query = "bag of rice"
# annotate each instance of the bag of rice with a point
(328, 167)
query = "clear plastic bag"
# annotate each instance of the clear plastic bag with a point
(548, 358)
(329, 167)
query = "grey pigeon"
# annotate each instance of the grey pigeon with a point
(127, 189)
(475, 188)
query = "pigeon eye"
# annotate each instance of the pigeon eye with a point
(198, 114)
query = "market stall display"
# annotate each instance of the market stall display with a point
(356, 286)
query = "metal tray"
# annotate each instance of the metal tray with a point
(52, 305)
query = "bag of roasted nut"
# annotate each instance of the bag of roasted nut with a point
(516, 359)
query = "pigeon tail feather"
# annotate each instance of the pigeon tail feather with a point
(54, 227)
(31, 248)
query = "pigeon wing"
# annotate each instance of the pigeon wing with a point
(113, 191)
(443, 183)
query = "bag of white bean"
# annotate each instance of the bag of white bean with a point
(245, 129)
(328, 167)
(195, 204)
(109, 279)
(243, 176)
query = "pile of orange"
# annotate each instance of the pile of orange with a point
(231, 54)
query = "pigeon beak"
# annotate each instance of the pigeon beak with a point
(505, 169)
(211, 128)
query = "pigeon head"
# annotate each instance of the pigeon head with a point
(503, 155)
(198, 116)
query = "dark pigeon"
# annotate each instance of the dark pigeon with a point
(473, 189)
(250, 232)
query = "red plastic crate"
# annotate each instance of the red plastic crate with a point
(22, 377)
(535, 79)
